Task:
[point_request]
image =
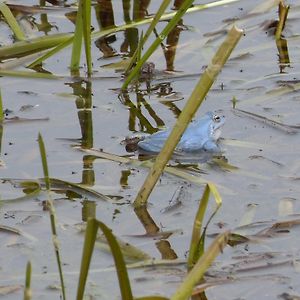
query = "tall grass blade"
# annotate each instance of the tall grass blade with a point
(27, 74)
(88, 247)
(195, 275)
(197, 241)
(196, 233)
(91, 233)
(12, 22)
(27, 289)
(44, 161)
(77, 41)
(51, 53)
(171, 24)
(86, 24)
(51, 213)
(188, 112)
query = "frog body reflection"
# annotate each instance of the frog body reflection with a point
(200, 135)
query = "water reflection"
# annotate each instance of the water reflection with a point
(135, 112)
(152, 230)
(164, 247)
(105, 17)
(146, 220)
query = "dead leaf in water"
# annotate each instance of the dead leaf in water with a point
(9, 289)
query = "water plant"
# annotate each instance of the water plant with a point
(200, 256)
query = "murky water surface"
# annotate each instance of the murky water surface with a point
(259, 187)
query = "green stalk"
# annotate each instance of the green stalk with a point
(12, 22)
(51, 213)
(91, 233)
(187, 114)
(86, 23)
(50, 53)
(27, 290)
(29, 46)
(77, 41)
(197, 241)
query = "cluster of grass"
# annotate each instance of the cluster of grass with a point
(199, 259)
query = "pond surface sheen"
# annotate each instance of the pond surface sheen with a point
(259, 186)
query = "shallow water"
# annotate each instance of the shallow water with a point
(266, 161)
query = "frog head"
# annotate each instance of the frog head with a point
(216, 121)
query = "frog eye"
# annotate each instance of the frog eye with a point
(217, 118)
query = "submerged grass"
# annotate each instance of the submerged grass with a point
(187, 113)
(27, 289)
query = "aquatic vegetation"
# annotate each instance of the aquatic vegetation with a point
(105, 61)
(52, 214)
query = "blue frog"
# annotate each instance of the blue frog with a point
(200, 135)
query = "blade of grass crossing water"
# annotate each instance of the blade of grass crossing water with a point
(51, 213)
(196, 233)
(213, 190)
(12, 22)
(34, 45)
(26, 74)
(195, 275)
(27, 289)
(51, 53)
(188, 112)
(88, 247)
(91, 233)
(197, 241)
